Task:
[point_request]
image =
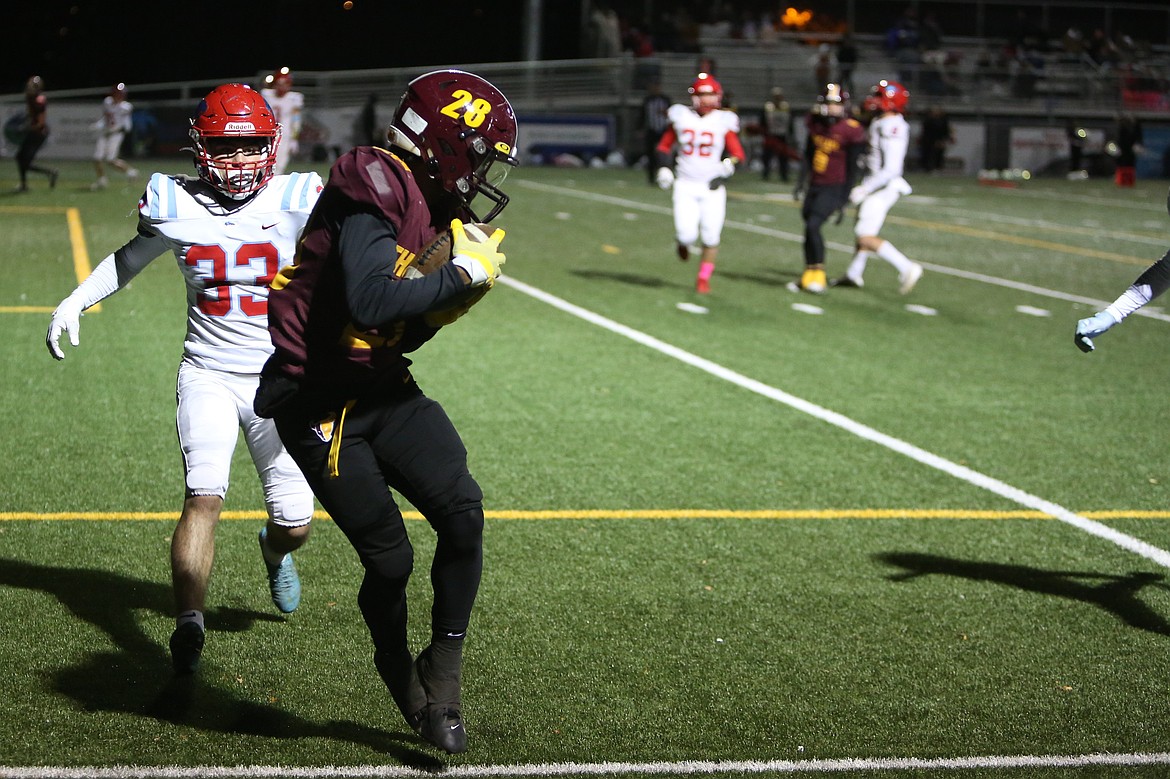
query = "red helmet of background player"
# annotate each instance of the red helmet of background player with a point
(887, 96)
(706, 94)
(459, 126)
(234, 111)
(118, 91)
(281, 81)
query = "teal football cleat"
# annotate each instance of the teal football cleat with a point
(283, 580)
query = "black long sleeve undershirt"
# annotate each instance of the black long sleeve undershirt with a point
(1157, 276)
(375, 296)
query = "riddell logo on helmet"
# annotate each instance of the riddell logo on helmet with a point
(239, 127)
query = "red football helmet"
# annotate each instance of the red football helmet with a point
(118, 92)
(281, 81)
(887, 96)
(458, 125)
(238, 113)
(832, 102)
(706, 94)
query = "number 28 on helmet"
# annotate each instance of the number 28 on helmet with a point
(463, 131)
(235, 137)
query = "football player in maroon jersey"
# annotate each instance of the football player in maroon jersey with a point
(835, 141)
(339, 385)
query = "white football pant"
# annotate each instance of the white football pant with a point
(699, 212)
(213, 407)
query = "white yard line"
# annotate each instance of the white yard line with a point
(677, 768)
(961, 472)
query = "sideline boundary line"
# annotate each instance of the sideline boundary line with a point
(678, 768)
(536, 515)
(961, 472)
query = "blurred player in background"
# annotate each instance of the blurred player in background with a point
(230, 229)
(834, 142)
(339, 385)
(287, 105)
(702, 142)
(882, 185)
(36, 132)
(115, 122)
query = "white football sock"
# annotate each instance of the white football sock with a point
(857, 267)
(890, 254)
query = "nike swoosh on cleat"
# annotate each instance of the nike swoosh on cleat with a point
(269, 227)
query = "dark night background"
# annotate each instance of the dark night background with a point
(79, 44)
(86, 43)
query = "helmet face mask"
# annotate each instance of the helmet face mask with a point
(463, 131)
(236, 137)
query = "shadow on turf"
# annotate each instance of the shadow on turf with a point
(136, 679)
(1117, 594)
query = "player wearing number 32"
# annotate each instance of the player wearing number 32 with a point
(344, 318)
(706, 138)
(230, 229)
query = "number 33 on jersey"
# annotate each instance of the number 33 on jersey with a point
(228, 256)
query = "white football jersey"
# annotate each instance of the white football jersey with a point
(116, 115)
(286, 107)
(885, 160)
(701, 141)
(228, 258)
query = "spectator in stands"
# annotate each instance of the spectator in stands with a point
(824, 66)
(933, 56)
(936, 136)
(902, 41)
(846, 62)
(604, 37)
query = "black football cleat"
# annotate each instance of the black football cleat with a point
(848, 282)
(186, 648)
(401, 678)
(444, 728)
(438, 669)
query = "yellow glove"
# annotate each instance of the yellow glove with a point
(476, 252)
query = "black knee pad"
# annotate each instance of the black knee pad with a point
(462, 530)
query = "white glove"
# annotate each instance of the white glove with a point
(857, 194)
(1090, 328)
(66, 318)
(665, 178)
(476, 253)
(728, 168)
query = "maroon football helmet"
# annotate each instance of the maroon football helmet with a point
(238, 113)
(459, 126)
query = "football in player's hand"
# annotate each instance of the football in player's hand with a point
(438, 252)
